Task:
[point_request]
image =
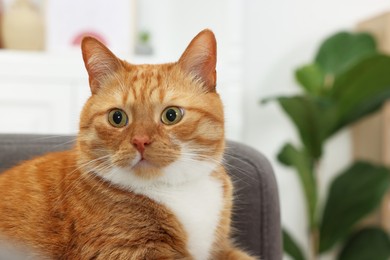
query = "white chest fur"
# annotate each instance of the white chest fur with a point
(196, 202)
(197, 205)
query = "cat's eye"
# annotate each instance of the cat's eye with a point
(172, 115)
(117, 118)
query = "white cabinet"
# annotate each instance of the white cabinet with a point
(41, 92)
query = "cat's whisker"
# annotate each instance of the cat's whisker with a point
(76, 184)
(67, 190)
(196, 154)
(48, 137)
(64, 144)
(191, 157)
(100, 181)
(240, 170)
(84, 165)
(51, 137)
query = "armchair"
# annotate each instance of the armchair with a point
(256, 214)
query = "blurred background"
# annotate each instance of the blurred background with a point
(43, 83)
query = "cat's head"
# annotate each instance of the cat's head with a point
(152, 123)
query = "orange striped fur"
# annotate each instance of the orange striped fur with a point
(92, 202)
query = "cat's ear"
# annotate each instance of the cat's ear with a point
(99, 61)
(200, 58)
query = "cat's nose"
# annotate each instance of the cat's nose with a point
(140, 142)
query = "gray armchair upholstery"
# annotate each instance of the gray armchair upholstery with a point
(256, 215)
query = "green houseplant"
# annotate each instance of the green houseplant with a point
(347, 80)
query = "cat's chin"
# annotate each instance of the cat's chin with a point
(142, 164)
(145, 169)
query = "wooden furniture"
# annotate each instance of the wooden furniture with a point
(371, 136)
(371, 142)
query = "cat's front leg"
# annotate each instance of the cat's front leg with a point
(132, 254)
(235, 254)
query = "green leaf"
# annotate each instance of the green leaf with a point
(311, 78)
(305, 112)
(343, 50)
(291, 247)
(367, 244)
(352, 195)
(291, 156)
(359, 91)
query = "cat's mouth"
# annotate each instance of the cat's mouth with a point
(145, 168)
(152, 161)
(143, 163)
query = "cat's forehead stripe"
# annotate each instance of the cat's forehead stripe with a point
(145, 81)
(125, 97)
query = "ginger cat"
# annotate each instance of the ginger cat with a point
(145, 179)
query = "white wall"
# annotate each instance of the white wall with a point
(279, 36)
(173, 23)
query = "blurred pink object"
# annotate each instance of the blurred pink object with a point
(112, 22)
(78, 38)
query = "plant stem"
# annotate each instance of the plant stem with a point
(314, 239)
(314, 229)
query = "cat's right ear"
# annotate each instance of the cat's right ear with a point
(200, 57)
(99, 61)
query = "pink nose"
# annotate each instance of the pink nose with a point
(140, 142)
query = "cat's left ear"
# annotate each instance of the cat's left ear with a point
(200, 58)
(99, 61)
